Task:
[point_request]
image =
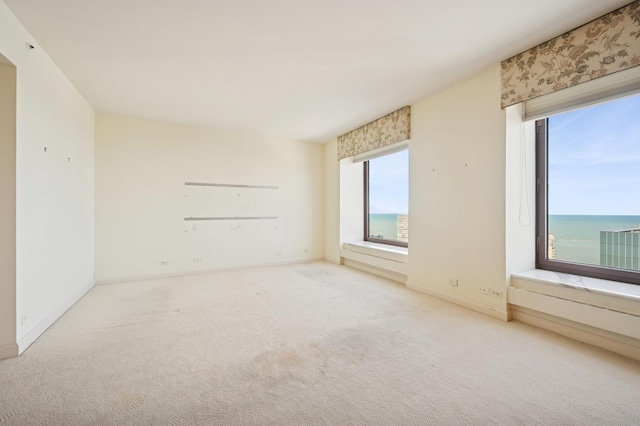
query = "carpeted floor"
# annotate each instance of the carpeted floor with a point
(304, 345)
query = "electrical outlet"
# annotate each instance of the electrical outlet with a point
(453, 282)
(491, 292)
(164, 263)
(197, 260)
(23, 318)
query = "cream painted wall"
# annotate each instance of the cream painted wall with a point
(520, 193)
(54, 232)
(344, 202)
(142, 200)
(8, 345)
(332, 202)
(351, 201)
(457, 193)
(458, 197)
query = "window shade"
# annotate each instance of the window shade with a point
(379, 152)
(604, 46)
(603, 89)
(390, 129)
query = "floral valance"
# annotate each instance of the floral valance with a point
(601, 47)
(391, 128)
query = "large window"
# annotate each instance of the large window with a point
(386, 192)
(588, 179)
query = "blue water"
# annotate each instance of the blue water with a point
(383, 226)
(577, 237)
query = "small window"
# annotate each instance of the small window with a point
(588, 201)
(386, 203)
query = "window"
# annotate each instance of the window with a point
(588, 200)
(386, 199)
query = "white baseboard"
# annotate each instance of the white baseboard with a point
(390, 275)
(501, 315)
(578, 332)
(9, 351)
(379, 259)
(37, 331)
(335, 261)
(593, 316)
(205, 271)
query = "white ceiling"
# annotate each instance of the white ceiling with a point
(302, 69)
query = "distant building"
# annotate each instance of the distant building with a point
(402, 225)
(551, 247)
(619, 249)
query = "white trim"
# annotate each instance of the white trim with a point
(382, 151)
(589, 290)
(605, 319)
(337, 261)
(483, 309)
(616, 85)
(602, 313)
(400, 278)
(390, 259)
(384, 251)
(377, 262)
(577, 332)
(384, 260)
(37, 331)
(205, 271)
(9, 351)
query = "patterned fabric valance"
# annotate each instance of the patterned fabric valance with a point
(391, 128)
(608, 44)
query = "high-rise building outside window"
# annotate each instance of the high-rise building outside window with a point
(589, 191)
(387, 199)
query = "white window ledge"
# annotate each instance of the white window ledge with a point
(385, 251)
(599, 312)
(382, 259)
(540, 290)
(580, 283)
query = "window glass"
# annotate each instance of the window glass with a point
(593, 185)
(387, 199)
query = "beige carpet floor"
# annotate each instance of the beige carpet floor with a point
(305, 345)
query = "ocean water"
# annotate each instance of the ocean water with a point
(577, 237)
(383, 225)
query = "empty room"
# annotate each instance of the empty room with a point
(319, 212)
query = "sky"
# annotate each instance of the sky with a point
(594, 164)
(594, 160)
(389, 183)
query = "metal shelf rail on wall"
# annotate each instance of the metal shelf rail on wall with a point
(225, 220)
(231, 202)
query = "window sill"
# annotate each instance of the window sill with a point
(584, 284)
(384, 251)
(388, 261)
(607, 305)
(595, 311)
